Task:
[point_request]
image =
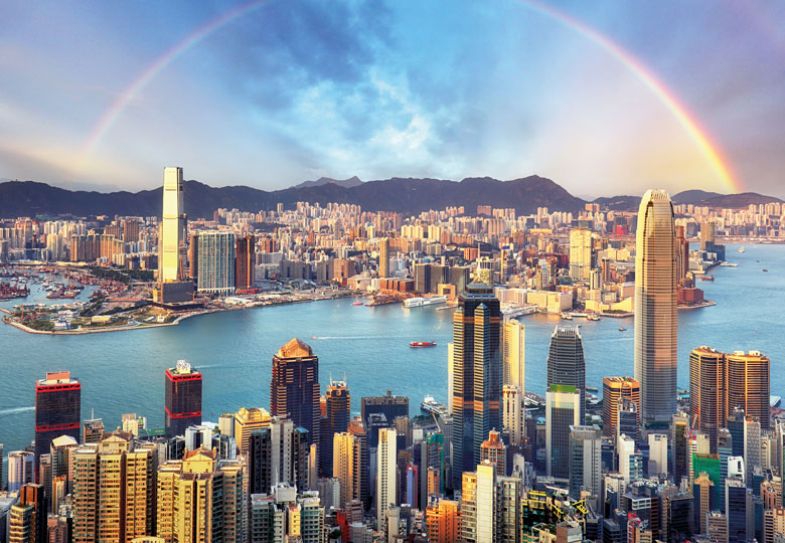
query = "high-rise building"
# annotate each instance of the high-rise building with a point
(57, 409)
(92, 430)
(615, 390)
(172, 251)
(245, 261)
(566, 364)
(347, 466)
(21, 469)
(656, 282)
(585, 462)
(442, 520)
(389, 405)
(386, 474)
(477, 375)
(112, 490)
(680, 427)
(658, 454)
(513, 420)
(514, 354)
(294, 389)
(27, 518)
(708, 407)
(183, 398)
(749, 384)
(337, 410)
(246, 422)
(494, 451)
(739, 510)
(384, 257)
(580, 254)
(562, 410)
(478, 504)
(215, 272)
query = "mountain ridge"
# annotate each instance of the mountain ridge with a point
(406, 195)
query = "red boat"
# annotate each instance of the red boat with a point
(417, 344)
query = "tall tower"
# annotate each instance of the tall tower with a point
(294, 389)
(477, 375)
(708, 409)
(386, 473)
(749, 384)
(514, 354)
(171, 265)
(337, 402)
(58, 404)
(183, 407)
(562, 410)
(384, 257)
(566, 364)
(614, 391)
(580, 254)
(656, 279)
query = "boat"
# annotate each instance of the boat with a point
(706, 278)
(765, 270)
(430, 406)
(593, 317)
(741, 250)
(357, 302)
(728, 264)
(419, 344)
(622, 329)
(566, 316)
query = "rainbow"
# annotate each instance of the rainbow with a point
(686, 120)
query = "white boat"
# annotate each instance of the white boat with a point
(741, 249)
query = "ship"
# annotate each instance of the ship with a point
(741, 250)
(430, 406)
(622, 329)
(420, 344)
(422, 302)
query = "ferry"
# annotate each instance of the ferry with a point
(430, 406)
(422, 302)
(419, 344)
(741, 250)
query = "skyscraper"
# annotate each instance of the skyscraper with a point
(337, 409)
(477, 375)
(294, 389)
(566, 365)
(708, 407)
(347, 466)
(585, 465)
(580, 254)
(656, 281)
(494, 450)
(749, 384)
(245, 261)
(614, 391)
(172, 252)
(562, 410)
(27, 518)
(183, 401)
(215, 272)
(57, 409)
(514, 354)
(21, 469)
(386, 474)
(389, 405)
(384, 257)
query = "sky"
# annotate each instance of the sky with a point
(604, 97)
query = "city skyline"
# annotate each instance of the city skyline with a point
(388, 102)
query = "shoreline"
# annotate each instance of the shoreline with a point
(175, 322)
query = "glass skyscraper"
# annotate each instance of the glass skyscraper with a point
(566, 365)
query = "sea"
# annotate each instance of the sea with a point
(123, 372)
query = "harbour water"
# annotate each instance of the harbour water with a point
(124, 371)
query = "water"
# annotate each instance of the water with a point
(124, 371)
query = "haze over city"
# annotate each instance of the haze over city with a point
(605, 97)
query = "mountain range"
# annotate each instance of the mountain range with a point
(406, 195)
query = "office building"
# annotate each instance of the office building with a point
(337, 411)
(57, 409)
(216, 262)
(294, 389)
(245, 261)
(386, 474)
(739, 511)
(477, 375)
(494, 451)
(21, 469)
(580, 254)
(183, 398)
(656, 281)
(562, 410)
(347, 466)
(566, 364)
(708, 394)
(615, 390)
(389, 405)
(514, 354)
(749, 384)
(585, 462)
(384, 257)
(172, 251)
(513, 420)
(658, 454)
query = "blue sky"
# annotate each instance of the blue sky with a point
(297, 89)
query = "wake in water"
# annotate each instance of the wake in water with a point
(357, 337)
(16, 410)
